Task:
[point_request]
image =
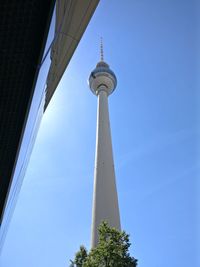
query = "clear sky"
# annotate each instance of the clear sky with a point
(153, 48)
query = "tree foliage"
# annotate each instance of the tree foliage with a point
(111, 251)
(80, 257)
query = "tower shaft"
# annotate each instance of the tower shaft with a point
(105, 201)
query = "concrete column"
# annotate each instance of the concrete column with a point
(105, 201)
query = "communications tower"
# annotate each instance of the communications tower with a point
(102, 82)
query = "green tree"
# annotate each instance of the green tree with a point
(80, 257)
(111, 251)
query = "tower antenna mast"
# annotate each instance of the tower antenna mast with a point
(101, 50)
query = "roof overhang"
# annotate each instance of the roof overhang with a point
(72, 18)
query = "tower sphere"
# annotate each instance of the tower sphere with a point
(102, 78)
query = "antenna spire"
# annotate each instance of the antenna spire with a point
(101, 50)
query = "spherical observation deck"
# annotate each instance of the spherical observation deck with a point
(102, 78)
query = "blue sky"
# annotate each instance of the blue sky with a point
(153, 47)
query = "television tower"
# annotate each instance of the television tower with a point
(102, 82)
